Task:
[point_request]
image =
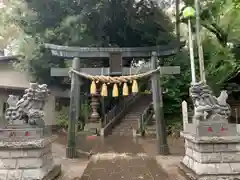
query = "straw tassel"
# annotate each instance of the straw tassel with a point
(115, 91)
(135, 86)
(104, 91)
(125, 89)
(93, 88)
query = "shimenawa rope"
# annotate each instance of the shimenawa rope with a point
(115, 79)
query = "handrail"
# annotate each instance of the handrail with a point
(145, 117)
(117, 109)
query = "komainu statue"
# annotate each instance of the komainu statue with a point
(207, 106)
(29, 109)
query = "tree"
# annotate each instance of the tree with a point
(8, 29)
(236, 4)
(124, 23)
(220, 34)
(86, 23)
(220, 17)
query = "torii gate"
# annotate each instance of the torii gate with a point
(117, 67)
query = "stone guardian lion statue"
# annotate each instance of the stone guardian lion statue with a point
(30, 106)
(207, 106)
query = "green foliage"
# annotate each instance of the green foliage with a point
(236, 4)
(85, 23)
(122, 23)
(34, 59)
(220, 62)
(62, 117)
(220, 34)
(220, 18)
(9, 31)
(175, 128)
(85, 110)
(176, 85)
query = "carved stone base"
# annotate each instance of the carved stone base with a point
(44, 173)
(28, 158)
(18, 122)
(193, 176)
(212, 157)
(93, 127)
(211, 128)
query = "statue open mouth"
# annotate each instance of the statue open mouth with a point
(30, 106)
(206, 104)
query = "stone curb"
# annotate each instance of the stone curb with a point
(37, 143)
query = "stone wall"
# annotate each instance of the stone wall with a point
(26, 164)
(26, 160)
(212, 158)
(216, 158)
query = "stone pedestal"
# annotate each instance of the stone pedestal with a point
(26, 154)
(94, 124)
(212, 150)
(95, 117)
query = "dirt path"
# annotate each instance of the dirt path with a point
(118, 158)
(132, 167)
(122, 158)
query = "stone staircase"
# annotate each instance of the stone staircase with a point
(130, 121)
(150, 130)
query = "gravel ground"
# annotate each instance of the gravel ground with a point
(119, 157)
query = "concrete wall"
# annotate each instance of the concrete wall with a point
(3, 98)
(235, 107)
(49, 109)
(14, 82)
(12, 78)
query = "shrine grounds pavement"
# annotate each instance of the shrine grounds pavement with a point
(120, 158)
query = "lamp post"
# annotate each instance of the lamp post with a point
(178, 23)
(189, 13)
(199, 42)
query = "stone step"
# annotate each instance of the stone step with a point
(122, 131)
(133, 114)
(124, 128)
(126, 122)
(130, 121)
(150, 127)
(126, 125)
(150, 131)
(123, 134)
(131, 118)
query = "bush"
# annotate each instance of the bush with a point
(175, 128)
(62, 117)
